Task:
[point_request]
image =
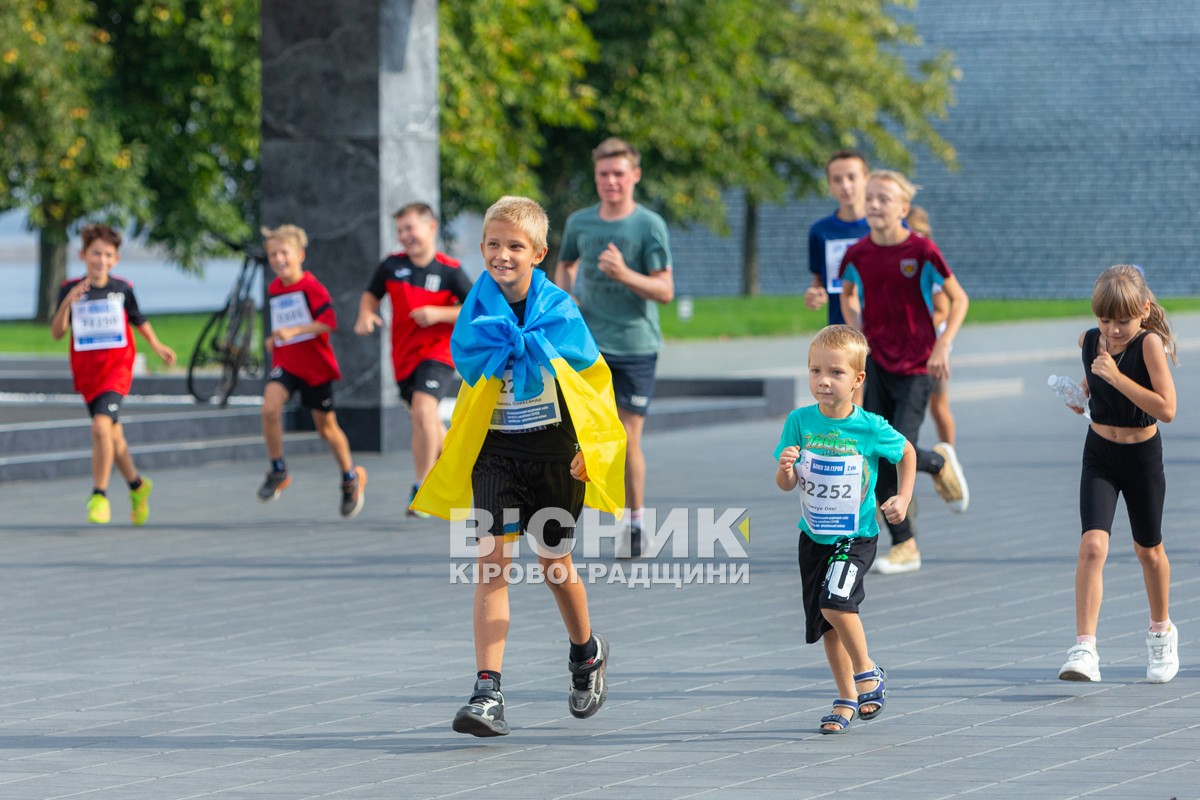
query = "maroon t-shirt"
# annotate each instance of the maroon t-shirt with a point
(895, 287)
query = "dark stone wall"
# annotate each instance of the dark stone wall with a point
(350, 134)
(1078, 136)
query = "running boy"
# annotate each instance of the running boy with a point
(846, 171)
(100, 311)
(1130, 387)
(535, 432)
(302, 360)
(888, 278)
(831, 451)
(426, 288)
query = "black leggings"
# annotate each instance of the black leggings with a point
(902, 400)
(1132, 470)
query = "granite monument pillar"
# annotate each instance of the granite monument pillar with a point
(349, 134)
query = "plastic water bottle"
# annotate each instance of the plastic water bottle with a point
(1069, 392)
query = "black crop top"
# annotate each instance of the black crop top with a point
(1108, 406)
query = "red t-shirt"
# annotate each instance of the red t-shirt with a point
(441, 282)
(107, 368)
(307, 300)
(895, 286)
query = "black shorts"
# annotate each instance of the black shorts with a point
(1132, 470)
(430, 377)
(831, 576)
(512, 491)
(633, 381)
(900, 399)
(317, 398)
(106, 404)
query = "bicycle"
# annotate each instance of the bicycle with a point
(228, 346)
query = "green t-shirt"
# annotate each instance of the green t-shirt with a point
(623, 323)
(860, 434)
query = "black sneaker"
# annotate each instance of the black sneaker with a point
(354, 493)
(629, 545)
(275, 483)
(588, 686)
(483, 715)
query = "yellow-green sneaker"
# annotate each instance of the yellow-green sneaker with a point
(139, 499)
(99, 511)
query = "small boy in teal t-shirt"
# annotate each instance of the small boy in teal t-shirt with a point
(831, 451)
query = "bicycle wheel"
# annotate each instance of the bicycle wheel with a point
(238, 338)
(206, 370)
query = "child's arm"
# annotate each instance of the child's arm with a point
(1159, 401)
(292, 331)
(368, 315)
(785, 475)
(60, 323)
(432, 315)
(851, 311)
(564, 274)
(896, 507)
(160, 349)
(939, 359)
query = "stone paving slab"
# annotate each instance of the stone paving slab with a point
(237, 650)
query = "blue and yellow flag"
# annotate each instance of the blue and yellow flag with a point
(485, 341)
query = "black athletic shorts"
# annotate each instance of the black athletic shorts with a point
(633, 381)
(513, 490)
(106, 404)
(317, 398)
(1132, 470)
(431, 377)
(831, 576)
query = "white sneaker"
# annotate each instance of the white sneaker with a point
(901, 558)
(1164, 655)
(1083, 664)
(951, 483)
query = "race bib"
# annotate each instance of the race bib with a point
(289, 310)
(515, 416)
(99, 324)
(834, 250)
(831, 492)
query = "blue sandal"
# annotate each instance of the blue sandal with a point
(843, 723)
(877, 696)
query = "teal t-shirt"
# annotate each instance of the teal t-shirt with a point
(860, 434)
(622, 323)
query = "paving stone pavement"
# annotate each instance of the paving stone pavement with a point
(236, 650)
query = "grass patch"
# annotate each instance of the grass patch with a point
(177, 331)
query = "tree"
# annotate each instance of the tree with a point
(61, 154)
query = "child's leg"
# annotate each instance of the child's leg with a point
(842, 668)
(428, 433)
(339, 445)
(275, 394)
(939, 412)
(103, 450)
(1089, 581)
(1156, 572)
(569, 595)
(121, 455)
(852, 640)
(491, 614)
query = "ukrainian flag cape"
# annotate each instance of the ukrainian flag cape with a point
(554, 336)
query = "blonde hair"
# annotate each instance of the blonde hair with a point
(1121, 293)
(918, 221)
(288, 233)
(846, 339)
(522, 212)
(613, 147)
(906, 187)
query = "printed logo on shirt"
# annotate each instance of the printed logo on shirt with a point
(404, 272)
(433, 283)
(908, 267)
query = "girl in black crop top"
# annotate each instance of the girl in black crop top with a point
(1130, 390)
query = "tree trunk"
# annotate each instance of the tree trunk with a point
(750, 287)
(52, 269)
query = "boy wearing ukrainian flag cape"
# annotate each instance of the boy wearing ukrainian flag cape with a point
(535, 434)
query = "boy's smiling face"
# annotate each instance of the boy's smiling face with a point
(886, 205)
(285, 258)
(510, 257)
(99, 258)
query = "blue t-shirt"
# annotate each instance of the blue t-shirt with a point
(860, 434)
(828, 239)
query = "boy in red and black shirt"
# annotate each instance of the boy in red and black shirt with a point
(427, 289)
(101, 313)
(302, 318)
